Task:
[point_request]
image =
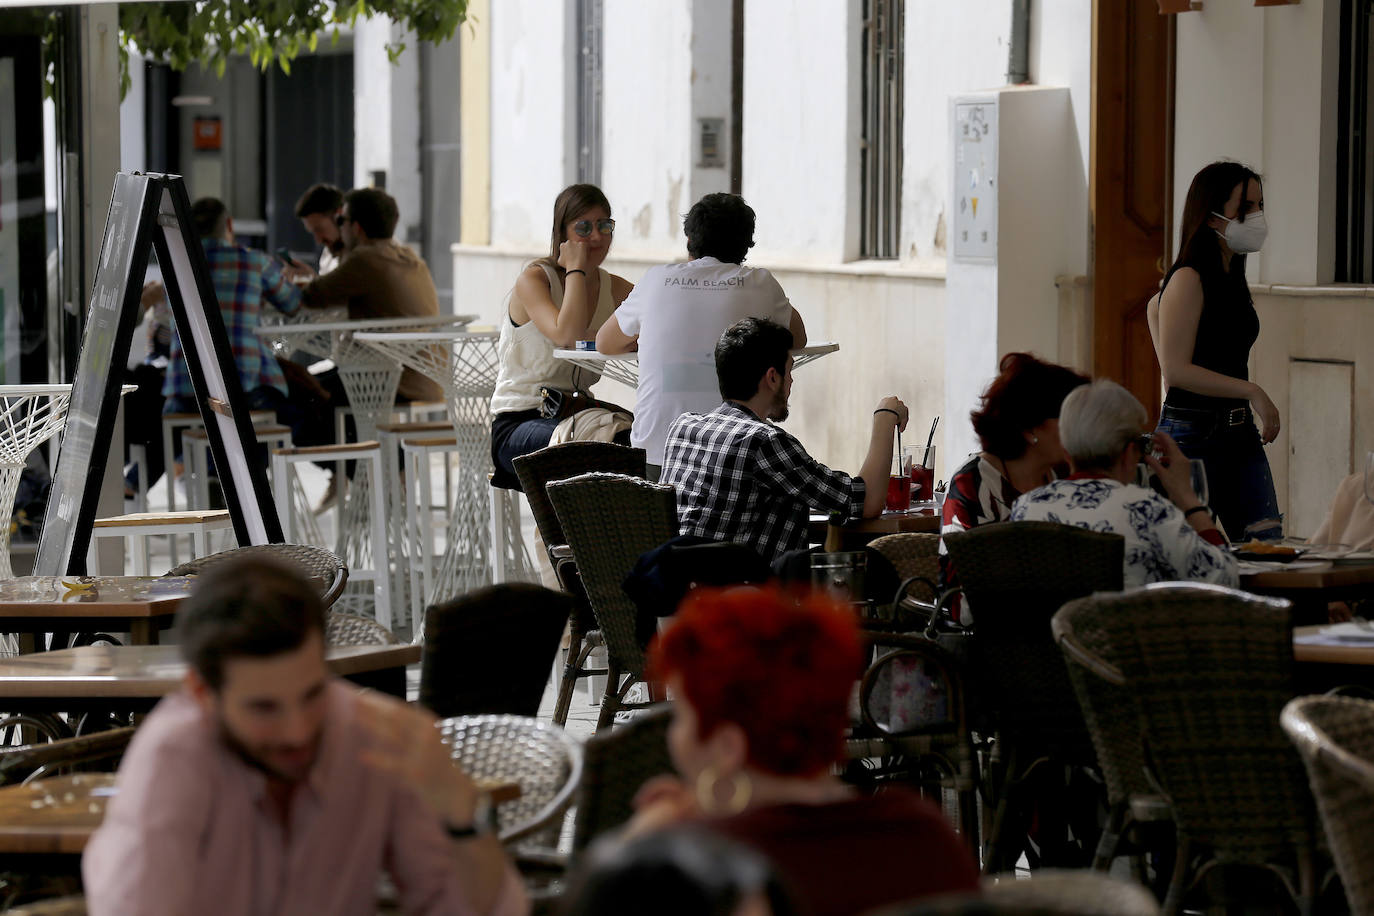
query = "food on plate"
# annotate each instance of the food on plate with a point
(1264, 547)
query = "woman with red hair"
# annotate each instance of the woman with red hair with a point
(761, 681)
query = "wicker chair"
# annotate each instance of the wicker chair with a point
(615, 765)
(35, 761)
(1335, 736)
(342, 629)
(1047, 893)
(321, 566)
(1015, 575)
(491, 650)
(1210, 669)
(543, 759)
(56, 906)
(914, 558)
(536, 470)
(609, 520)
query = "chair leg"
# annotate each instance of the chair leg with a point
(610, 700)
(993, 850)
(1111, 837)
(1182, 854)
(567, 685)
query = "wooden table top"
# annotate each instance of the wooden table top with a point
(151, 671)
(1309, 578)
(92, 596)
(57, 816)
(858, 532)
(1353, 654)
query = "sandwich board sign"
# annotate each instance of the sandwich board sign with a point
(151, 211)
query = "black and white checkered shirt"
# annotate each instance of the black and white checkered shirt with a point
(742, 479)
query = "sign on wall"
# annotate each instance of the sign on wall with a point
(975, 180)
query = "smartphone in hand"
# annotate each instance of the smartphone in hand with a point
(285, 255)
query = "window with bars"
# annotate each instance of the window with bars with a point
(880, 158)
(588, 64)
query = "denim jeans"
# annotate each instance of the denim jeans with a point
(1239, 483)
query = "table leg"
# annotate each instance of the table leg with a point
(143, 631)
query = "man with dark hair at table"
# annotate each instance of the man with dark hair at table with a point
(266, 785)
(741, 478)
(317, 210)
(677, 312)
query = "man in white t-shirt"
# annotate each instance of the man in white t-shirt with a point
(677, 312)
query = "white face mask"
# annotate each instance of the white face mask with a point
(1246, 237)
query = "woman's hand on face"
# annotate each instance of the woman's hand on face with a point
(1173, 471)
(572, 254)
(1268, 415)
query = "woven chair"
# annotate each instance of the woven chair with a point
(915, 558)
(1211, 668)
(1015, 576)
(35, 761)
(1335, 736)
(1048, 892)
(318, 564)
(609, 520)
(491, 650)
(342, 629)
(543, 759)
(536, 470)
(616, 764)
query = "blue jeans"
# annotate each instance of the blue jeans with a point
(1239, 483)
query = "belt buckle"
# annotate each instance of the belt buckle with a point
(1236, 416)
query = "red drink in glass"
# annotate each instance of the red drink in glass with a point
(899, 493)
(922, 483)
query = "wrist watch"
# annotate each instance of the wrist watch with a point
(481, 822)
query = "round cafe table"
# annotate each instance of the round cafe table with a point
(624, 367)
(370, 379)
(465, 365)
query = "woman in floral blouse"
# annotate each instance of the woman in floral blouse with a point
(1167, 539)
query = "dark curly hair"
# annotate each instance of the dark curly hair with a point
(779, 665)
(720, 226)
(745, 353)
(1026, 393)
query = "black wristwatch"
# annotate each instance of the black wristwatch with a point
(461, 833)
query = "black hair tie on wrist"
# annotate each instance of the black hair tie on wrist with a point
(1200, 507)
(887, 410)
(575, 270)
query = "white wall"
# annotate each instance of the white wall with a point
(801, 127)
(133, 154)
(711, 36)
(386, 115)
(951, 48)
(1257, 85)
(531, 161)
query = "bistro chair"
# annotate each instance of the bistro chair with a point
(615, 765)
(1210, 669)
(609, 521)
(1015, 576)
(544, 760)
(490, 651)
(915, 557)
(36, 761)
(536, 470)
(341, 629)
(1048, 892)
(1335, 736)
(322, 567)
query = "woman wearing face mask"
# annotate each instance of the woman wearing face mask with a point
(1204, 323)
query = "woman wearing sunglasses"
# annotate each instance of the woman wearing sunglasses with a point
(557, 301)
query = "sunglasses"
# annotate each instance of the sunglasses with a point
(583, 227)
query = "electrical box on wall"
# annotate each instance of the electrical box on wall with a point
(975, 179)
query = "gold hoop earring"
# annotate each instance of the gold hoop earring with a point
(741, 789)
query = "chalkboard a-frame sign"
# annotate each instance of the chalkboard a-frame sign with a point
(150, 210)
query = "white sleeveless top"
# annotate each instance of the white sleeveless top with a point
(526, 355)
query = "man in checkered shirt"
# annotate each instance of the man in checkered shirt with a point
(739, 477)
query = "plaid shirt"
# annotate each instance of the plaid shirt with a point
(742, 479)
(245, 282)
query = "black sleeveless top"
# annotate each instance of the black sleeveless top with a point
(1226, 330)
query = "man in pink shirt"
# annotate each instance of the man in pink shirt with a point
(268, 786)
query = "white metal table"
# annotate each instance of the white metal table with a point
(370, 379)
(465, 364)
(624, 367)
(29, 416)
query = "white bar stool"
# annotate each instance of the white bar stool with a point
(419, 521)
(136, 527)
(195, 454)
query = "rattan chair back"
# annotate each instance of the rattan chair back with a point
(491, 650)
(913, 555)
(1048, 892)
(569, 459)
(316, 563)
(342, 629)
(615, 765)
(1335, 736)
(35, 761)
(609, 521)
(1016, 575)
(1211, 668)
(542, 758)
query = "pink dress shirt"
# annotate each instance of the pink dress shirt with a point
(191, 831)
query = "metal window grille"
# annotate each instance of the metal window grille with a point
(1354, 152)
(881, 142)
(589, 19)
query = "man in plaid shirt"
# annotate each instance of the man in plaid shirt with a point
(741, 478)
(245, 282)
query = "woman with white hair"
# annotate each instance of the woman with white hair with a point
(1103, 428)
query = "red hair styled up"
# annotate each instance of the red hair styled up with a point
(779, 665)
